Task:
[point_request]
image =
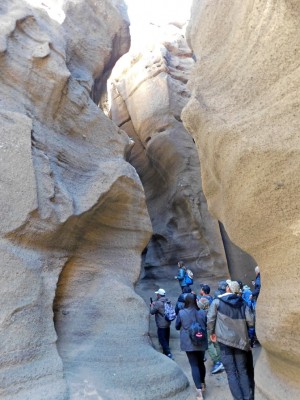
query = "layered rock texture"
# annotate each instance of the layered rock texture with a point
(148, 92)
(244, 116)
(73, 215)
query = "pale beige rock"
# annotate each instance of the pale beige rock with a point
(244, 117)
(148, 92)
(74, 219)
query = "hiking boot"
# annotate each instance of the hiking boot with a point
(218, 367)
(170, 356)
(199, 395)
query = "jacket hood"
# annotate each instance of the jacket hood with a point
(233, 300)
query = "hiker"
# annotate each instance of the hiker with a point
(157, 308)
(246, 294)
(181, 274)
(204, 292)
(180, 302)
(195, 353)
(228, 320)
(213, 347)
(184, 275)
(221, 289)
(253, 298)
(257, 284)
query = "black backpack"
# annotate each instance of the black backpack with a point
(197, 334)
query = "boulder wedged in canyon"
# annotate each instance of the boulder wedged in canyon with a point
(147, 94)
(74, 219)
(243, 114)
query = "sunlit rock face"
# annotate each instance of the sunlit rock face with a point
(148, 93)
(74, 220)
(244, 116)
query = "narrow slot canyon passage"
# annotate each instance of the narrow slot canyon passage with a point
(134, 135)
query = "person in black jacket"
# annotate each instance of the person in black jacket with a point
(195, 354)
(180, 301)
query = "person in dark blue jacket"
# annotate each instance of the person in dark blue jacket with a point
(221, 288)
(257, 284)
(180, 302)
(195, 354)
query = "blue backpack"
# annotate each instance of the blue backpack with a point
(188, 278)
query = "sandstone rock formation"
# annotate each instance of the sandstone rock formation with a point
(243, 114)
(74, 220)
(148, 93)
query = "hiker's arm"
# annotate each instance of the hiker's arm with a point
(180, 274)
(250, 319)
(212, 317)
(257, 287)
(178, 322)
(154, 307)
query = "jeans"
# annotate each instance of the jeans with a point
(196, 360)
(235, 364)
(163, 338)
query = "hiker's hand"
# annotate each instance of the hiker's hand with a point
(175, 277)
(213, 338)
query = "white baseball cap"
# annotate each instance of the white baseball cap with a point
(162, 292)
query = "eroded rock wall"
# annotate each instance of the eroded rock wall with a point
(148, 93)
(243, 114)
(73, 215)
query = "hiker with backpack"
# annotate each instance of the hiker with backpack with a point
(228, 320)
(193, 340)
(184, 275)
(164, 313)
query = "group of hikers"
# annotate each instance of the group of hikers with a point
(223, 324)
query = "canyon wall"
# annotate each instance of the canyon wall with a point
(147, 94)
(243, 115)
(74, 218)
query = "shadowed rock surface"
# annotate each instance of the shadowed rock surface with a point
(243, 116)
(148, 92)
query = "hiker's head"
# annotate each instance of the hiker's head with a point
(232, 287)
(181, 264)
(222, 285)
(256, 270)
(205, 289)
(160, 292)
(186, 289)
(190, 300)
